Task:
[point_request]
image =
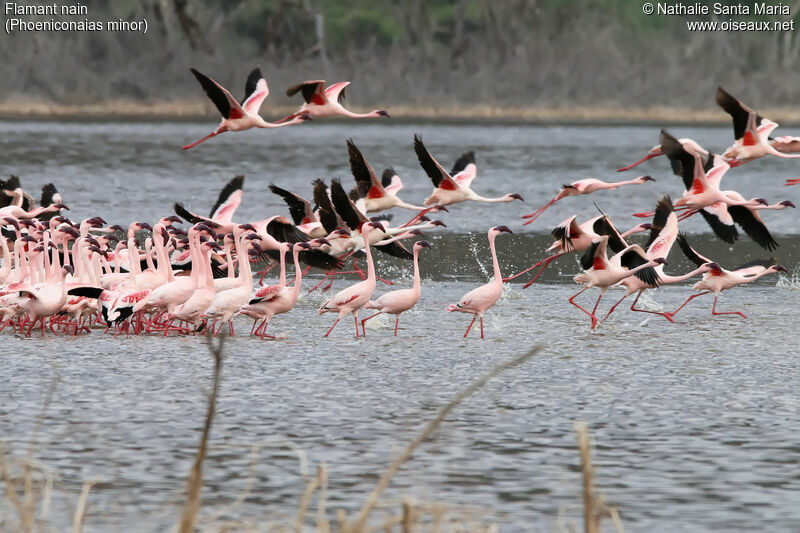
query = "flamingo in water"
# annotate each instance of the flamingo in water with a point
(477, 301)
(353, 298)
(584, 186)
(322, 102)
(236, 116)
(397, 302)
(718, 279)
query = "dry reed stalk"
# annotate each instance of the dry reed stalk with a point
(594, 507)
(80, 510)
(360, 525)
(323, 526)
(194, 484)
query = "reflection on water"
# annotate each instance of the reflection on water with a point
(694, 423)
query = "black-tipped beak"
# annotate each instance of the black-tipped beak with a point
(647, 226)
(788, 203)
(505, 229)
(660, 261)
(567, 186)
(249, 227)
(384, 113)
(175, 219)
(62, 206)
(439, 223)
(424, 244)
(145, 225)
(416, 232)
(424, 218)
(647, 178)
(304, 245)
(377, 225)
(780, 268)
(517, 197)
(320, 242)
(252, 236)
(761, 201)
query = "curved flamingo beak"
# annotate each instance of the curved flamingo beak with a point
(424, 244)
(304, 245)
(12, 221)
(252, 236)
(761, 201)
(69, 269)
(788, 203)
(321, 242)
(660, 260)
(249, 227)
(438, 223)
(415, 232)
(516, 196)
(383, 113)
(61, 206)
(779, 268)
(647, 178)
(377, 225)
(145, 225)
(175, 219)
(505, 229)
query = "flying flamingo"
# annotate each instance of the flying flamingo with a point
(236, 116)
(321, 102)
(302, 212)
(378, 195)
(571, 237)
(584, 186)
(353, 298)
(477, 301)
(446, 189)
(662, 236)
(657, 150)
(750, 131)
(600, 271)
(718, 279)
(397, 302)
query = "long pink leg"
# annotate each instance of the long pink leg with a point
(333, 326)
(396, 323)
(544, 266)
(639, 162)
(648, 214)
(613, 307)
(212, 134)
(634, 308)
(481, 327)
(355, 317)
(533, 216)
(362, 322)
(715, 312)
(470, 325)
(689, 299)
(546, 260)
(591, 315)
(315, 287)
(792, 181)
(230, 328)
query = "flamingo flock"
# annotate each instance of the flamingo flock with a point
(65, 277)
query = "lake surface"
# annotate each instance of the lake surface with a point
(695, 423)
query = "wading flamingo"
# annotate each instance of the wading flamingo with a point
(397, 302)
(353, 298)
(477, 301)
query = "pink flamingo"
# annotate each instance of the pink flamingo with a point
(277, 299)
(600, 271)
(718, 279)
(585, 186)
(571, 237)
(750, 131)
(478, 300)
(236, 116)
(662, 237)
(657, 150)
(397, 302)
(446, 189)
(321, 102)
(353, 298)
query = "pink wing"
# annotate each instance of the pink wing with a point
(266, 293)
(253, 104)
(224, 213)
(332, 92)
(395, 186)
(466, 176)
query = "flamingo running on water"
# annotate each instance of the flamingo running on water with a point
(477, 301)
(321, 102)
(584, 186)
(239, 116)
(718, 279)
(397, 302)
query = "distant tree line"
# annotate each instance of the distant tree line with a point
(512, 53)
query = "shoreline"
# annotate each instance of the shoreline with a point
(30, 109)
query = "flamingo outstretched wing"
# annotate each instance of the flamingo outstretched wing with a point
(227, 105)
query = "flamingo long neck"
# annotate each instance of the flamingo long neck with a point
(761, 274)
(479, 198)
(133, 258)
(229, 260)
(282, 281)
(208, 275)
(677, 279)
(148, 255)
(348, 113)
(370, 264)
(416, 287)
(298, 273)
(498, 278)
(615, 184)
(245, 273)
